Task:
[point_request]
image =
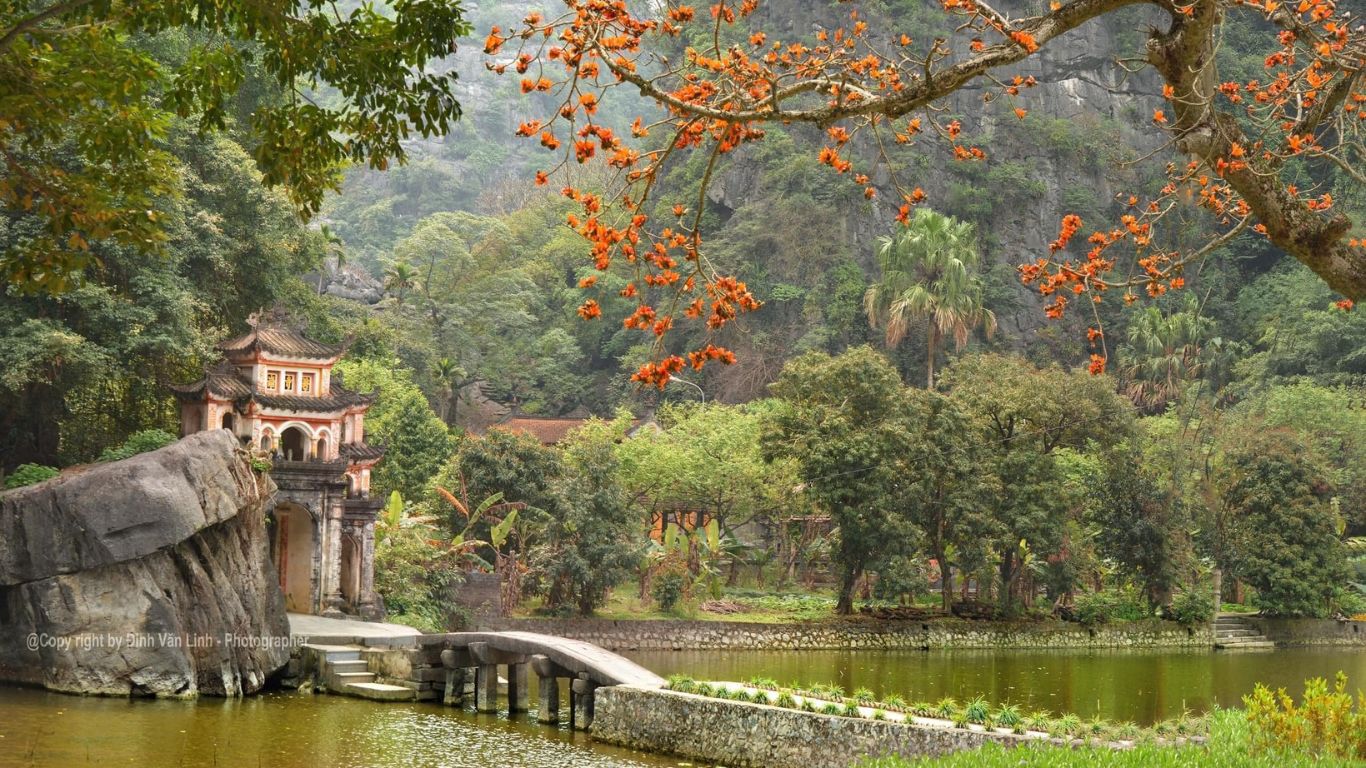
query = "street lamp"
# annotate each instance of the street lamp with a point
(700, 393)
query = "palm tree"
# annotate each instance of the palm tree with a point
(448, 376)
(929, 270)
(399, 277)
(1164, 353)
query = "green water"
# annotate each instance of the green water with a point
(282, 730)
(291, 730)
(1140, 686)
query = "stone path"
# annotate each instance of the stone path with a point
(319, 630)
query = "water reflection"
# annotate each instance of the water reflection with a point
(1142, 686)
(282, 730)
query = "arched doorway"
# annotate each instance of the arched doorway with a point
(267, 442)
(294, 444)
(229, 422)
(350, 569)
(322, 447)
(292, 548)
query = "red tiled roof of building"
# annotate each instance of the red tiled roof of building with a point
(548, 430)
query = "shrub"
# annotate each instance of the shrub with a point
(851, 709)
(1093, 608)
(864, 696)
(831, 708)
(1191, 607)
(786, 701)
(28, 474)
(667, 590)
(1322, 724)
(139, 442)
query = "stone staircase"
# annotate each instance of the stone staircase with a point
(343, 671)
(1237, 633)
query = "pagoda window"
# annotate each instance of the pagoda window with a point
(272, 380)
(306, 384)
(289, 381)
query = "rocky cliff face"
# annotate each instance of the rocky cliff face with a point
(148, 576)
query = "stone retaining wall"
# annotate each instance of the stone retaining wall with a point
(1299, 632)
(859, 634)
(734, 733)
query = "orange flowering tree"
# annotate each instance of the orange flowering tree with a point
(1242, 141)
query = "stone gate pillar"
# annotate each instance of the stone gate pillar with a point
(332, 597)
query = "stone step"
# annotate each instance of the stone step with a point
(1254, 645)
(348, 678)
(351, 665)
(336, 652)
(1236, 633)
(380, 692)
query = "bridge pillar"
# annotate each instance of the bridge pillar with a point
(550, 701)
(454, 694)
(519, 694)
(486, 688)
(583, 701)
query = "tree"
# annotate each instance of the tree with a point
(595, 541)
(946, 487)
(1287, 542)
(1248, 142)
(707, 459)
(86, 109)
(416, 442)
(1142, 527)
(399, 278)
(929, 272)
(1165, 352)
(842, 419)
(1023, 415)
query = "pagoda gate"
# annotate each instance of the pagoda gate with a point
(275, 390)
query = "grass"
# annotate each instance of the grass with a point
(976, 713)
(1228, 747)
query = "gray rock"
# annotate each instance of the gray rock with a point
(148, 576)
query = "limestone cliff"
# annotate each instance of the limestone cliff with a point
(148, 576)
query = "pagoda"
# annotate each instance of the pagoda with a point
(275, 390)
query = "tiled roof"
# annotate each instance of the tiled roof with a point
(222, 381)
(360, 451)
(280, 339)
(549, 431)
(338, 398)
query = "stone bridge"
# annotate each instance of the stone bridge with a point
(585, 665)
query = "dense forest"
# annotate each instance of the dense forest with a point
(457, 284)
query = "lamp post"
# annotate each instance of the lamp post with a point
(700, 392)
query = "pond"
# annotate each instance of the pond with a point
(293, 730)
(282, 730)
(1140, 686)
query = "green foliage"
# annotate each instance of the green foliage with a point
(28, 474)
(1143, 528)
(842, 420)
(594, 541)
(1323, 724)
(667, 590)
(414, 571)
(89, 107)
(1192, 607)
(139, 442)
(416, 442)
(929, 271)
(1284, 531)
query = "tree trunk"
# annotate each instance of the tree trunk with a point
(932, 353)
(848, 581)
(945, 581)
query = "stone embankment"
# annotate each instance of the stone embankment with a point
(147, 576)
(746, 734)
(860, 634)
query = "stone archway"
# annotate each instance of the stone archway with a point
(293, 548)
(230, 422)
(294, 444)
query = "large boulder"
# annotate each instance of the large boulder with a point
(147, 576)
